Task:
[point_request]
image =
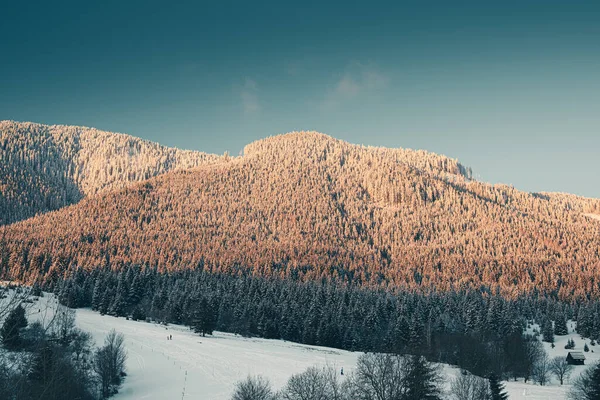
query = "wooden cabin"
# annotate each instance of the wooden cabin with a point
(575, 358)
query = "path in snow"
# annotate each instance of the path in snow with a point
(202, 367)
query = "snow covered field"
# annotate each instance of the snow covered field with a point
(193, 367)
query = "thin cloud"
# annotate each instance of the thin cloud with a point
(249, 97)
(358, 80)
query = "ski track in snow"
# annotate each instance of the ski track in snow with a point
(207, 368)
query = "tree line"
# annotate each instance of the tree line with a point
(479, 332)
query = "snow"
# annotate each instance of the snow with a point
(593, 216)
(195, 367)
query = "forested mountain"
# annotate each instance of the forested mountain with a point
(45, 167)
(306, 206)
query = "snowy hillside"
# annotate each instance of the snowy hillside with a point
(193, 367)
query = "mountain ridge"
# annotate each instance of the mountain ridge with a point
(307, 206)
(46, 167)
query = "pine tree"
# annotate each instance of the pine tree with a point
(105, 303)
(560, 325)
(117, 308)
(136, 290)
(547, 331)
(204, 318)
(9, 333)
(594, 384)
(497, 389)
(42, 367)
(587, 385)
(422, 380)
(98, 293)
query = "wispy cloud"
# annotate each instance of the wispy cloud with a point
(359, 79)
(249, 97)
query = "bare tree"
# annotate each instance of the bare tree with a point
(534, 350)
(63, 327)
(314, 384)
(541, 370)
(560, 368)
(110, 363)
(379, 377)
(470, 387)
(253, 388)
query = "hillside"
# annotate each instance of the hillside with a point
(307, 206)
(46, 167)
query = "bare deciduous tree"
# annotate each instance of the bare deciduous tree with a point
(314, 384)
(379, 377)
(561, 368)
(110, 363)
(253, 388)
(541, 370)
(469, 387)
(63, 327)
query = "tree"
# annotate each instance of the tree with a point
(560, 325)
(204, 318)
(81, 346)
(63, 326)
(422, 380)
(53, 376)
(138, 314)
(253, 388)
(98, 293)
(587, 386)
(497, 389)
(314, 383)
(379, 376)
(560, 368)
(10, 331)
(109, 363)
(533, 352)
(470, 387)
(548, 332)
(541, 370)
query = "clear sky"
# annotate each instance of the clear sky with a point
(511, 88)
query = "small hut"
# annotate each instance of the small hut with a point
(575, 358)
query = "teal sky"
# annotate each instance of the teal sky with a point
(510, 88)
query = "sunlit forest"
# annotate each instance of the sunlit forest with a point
(305, 206)
(45, 167)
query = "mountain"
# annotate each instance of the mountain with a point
(46, 167)
(307, 206)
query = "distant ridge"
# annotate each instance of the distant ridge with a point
(46, 167)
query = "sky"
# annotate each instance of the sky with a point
(510, 88)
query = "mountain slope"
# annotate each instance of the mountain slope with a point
(307, 206)
(46, 167)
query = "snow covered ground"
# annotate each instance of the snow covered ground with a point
(593, 216)
(195, 367)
